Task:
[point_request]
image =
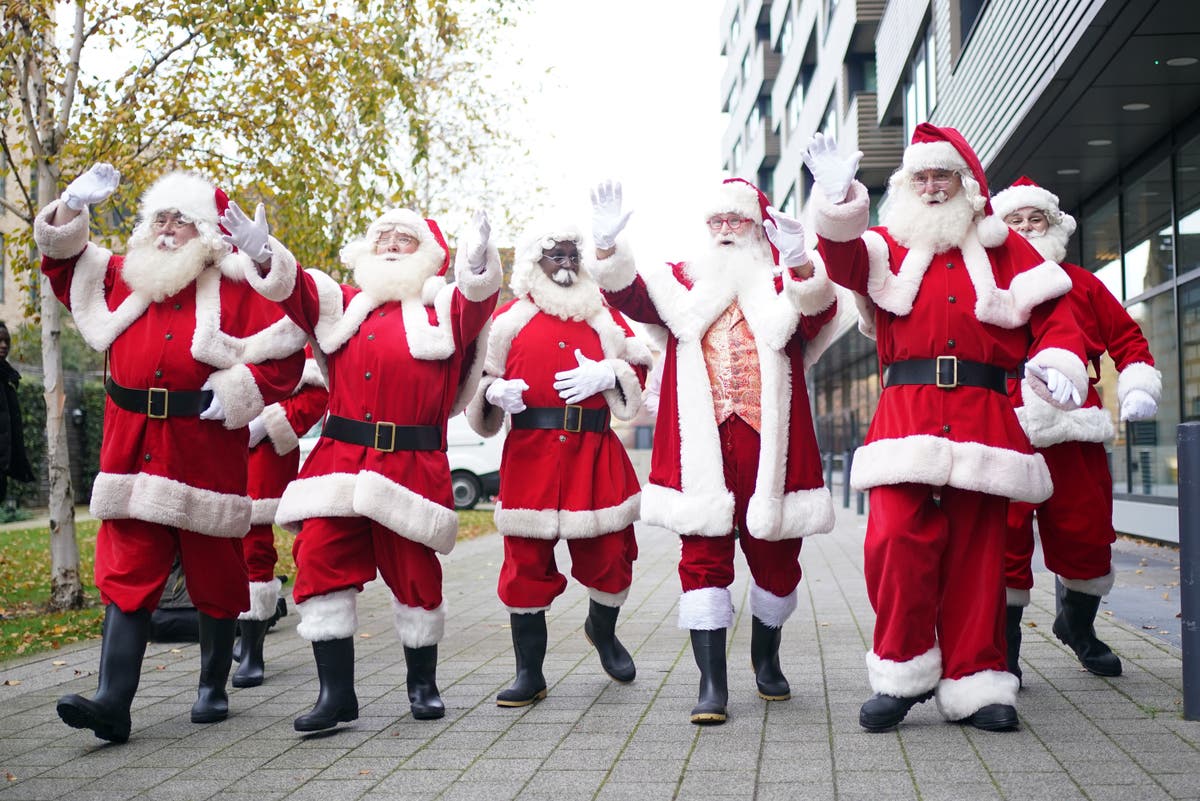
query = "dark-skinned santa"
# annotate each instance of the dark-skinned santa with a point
(735, 458)
(374, 495)
(1075, 522)
(194, 355)
(955, 303)
(560, 364)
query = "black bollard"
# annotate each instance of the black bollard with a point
(847, 461)
(1189, 564)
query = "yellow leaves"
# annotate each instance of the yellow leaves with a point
(12, 682)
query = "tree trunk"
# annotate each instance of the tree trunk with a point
(66, 590)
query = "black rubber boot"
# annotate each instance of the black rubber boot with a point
(529, 646)
(882, 712)
(216, 657)
(1074, 627)
(423, 697)
(764, 656)
(238, 645)
(251, 668)
(1012, 637)
(336, 702)
(708, 647)
(124, 645)
(600, 628)
(993, 717)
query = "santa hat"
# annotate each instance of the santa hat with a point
(197, 199)
(1024, 193)
(540, 236)
(935, 148)
(739, 196)
(431, 245)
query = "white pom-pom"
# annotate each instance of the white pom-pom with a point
(991, 231)
(429, 290)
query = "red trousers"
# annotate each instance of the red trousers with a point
(258, 549)
(1075, 523)
(529, 577)
(708, 561)
(933, 572)
(134, 558)
(338, 553)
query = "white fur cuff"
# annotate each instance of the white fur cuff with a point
(706, 609)
(905, 679)
(811, 296)
(280, 281)
(239, 394)
(417, 627)
(60, 241)
(1099, 586)
(262, 511)
(1015, 597)
(279, 430)
(625, 399)
(616, 272)
(478, 287)
(264, 596)
(771, 609)
(329, 617)
(155, 499)
(961, 698)
(1046, 424)
(704, 514)
(484, 418)
(845, 221)
(614, 600)
(1139, 375)
(1066, 363)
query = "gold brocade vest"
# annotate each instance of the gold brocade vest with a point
(732, 361)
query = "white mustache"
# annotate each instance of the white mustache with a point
(934, 197)
(563, 277)
(166, 241)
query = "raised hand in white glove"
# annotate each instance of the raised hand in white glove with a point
(505, 393)
(258, 431)
(585, 380)
(787, 235)
(477, 242)
(607, 219)
(249, 236)
(93, 186)
(1138, 405)
(1062, 391)
(216, 409)
(831, 172)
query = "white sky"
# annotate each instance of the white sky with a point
(633, 94)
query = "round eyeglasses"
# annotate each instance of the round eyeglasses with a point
(734, 222)
(563, 261)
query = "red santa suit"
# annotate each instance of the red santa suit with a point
(941, 461)
(384, 506)
(173, 483)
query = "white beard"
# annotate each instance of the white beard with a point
(914, 223)
(387, 277)
(730, 267)
(580, 300)
(160, 274)
(1052, 244)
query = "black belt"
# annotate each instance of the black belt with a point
(159, 403)
(947, 372)
(566, 418)
(386, 437)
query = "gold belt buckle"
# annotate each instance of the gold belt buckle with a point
(150, 395)
(391, 429)
(578, 419)
(937, 378)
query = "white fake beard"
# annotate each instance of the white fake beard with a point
(389, 276)
(1052, 244)
(579, 300)
(160, 274)
(733, 266)
(915, 223)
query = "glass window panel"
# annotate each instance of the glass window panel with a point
(1149, 246)
(1101, 246)
(1187, 200)
(1189, 320)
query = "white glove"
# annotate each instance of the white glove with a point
(1138, 405)
(831, 172)
(248, 236)
(93, 186)
(258, 431)
(585, 380)
(506, 394)
(476, 242)
(650, 401)
(1061, 389)
(216, 409)
(787, 235)
(607, 219)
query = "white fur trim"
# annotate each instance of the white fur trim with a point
(370, 495)
(155, 499)
(845, 221)
(610, 599)
(485, 419)
(264, 597)
(213, 346)
(279, 430)
(614, 273)
(1011, 308)
(706, 609)
(1015, 597)
(706, 515)
(961, 698)
(239, 395)
(337, 319)
(430, 289)
(1066, 363)
(894, 292)
(814, 295)
(262, 511)
(188, 193)
(771, 609)
(992, 231)
(280, 280)
(625, 399)
(796, 514)
(313, 374)
(940, 462)
(417, 627)
(1046, 424)
(1099, 586)
(429, 341)
(98, 324)
(905, 679)
(736, 197)
(526, 610)
(61, 241)
(1139, 375)
(549, 524)
(478, 287)
(935, 155)
(333, 616)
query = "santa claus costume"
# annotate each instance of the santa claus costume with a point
(186, 337)
(735, 457)
(956, 303)
(564, 474)
(1075, 522)
(274, 460)
(374, 494)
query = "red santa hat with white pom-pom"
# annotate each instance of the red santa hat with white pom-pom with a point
(200, 202)
(1024, 194)
(431, 251)
(739, 196)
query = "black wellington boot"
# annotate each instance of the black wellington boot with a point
(423, 697)
(764, 656)
(238, 645)
(882, 712)
(1074, 627)
(124, 645)
(1012, 637)
(993, 717)
(529, 646)
(336, 702)
(251, 667)
(708, 647)
(216, 657)
(600, 628)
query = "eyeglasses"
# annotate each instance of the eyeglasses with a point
(395, 236)
(563, 261)
(164, 219)
(938, 179)
(735, 223)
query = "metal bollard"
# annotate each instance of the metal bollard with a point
(829, 469)
(1189, 564)
(847, 458)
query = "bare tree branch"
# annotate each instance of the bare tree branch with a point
(22, 214)
(15, 169)
(67, 101)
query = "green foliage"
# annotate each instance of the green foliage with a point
(92, 403)
(33, 417)
(77, 357)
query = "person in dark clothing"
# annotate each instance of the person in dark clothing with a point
(14, 463)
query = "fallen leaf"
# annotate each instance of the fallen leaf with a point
(1149, 628)
(176, 651)
(11, 682)
(1108, 612)
(10, 777)
(1166, 596)
(364, 773)
(59, 662)
(1139, 572)
(366, 635)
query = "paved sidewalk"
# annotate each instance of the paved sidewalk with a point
(1081, 737)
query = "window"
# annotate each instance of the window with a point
(753, 123)
(795, 105)
(1101, 246)
(1147, 231)
(860, 74)
(746, 66)
(735, 160)
(735, 27)
(829, 122)
(785, 34)
(920, 86)
(788, 206)
(1187, 203)
(968, 12)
